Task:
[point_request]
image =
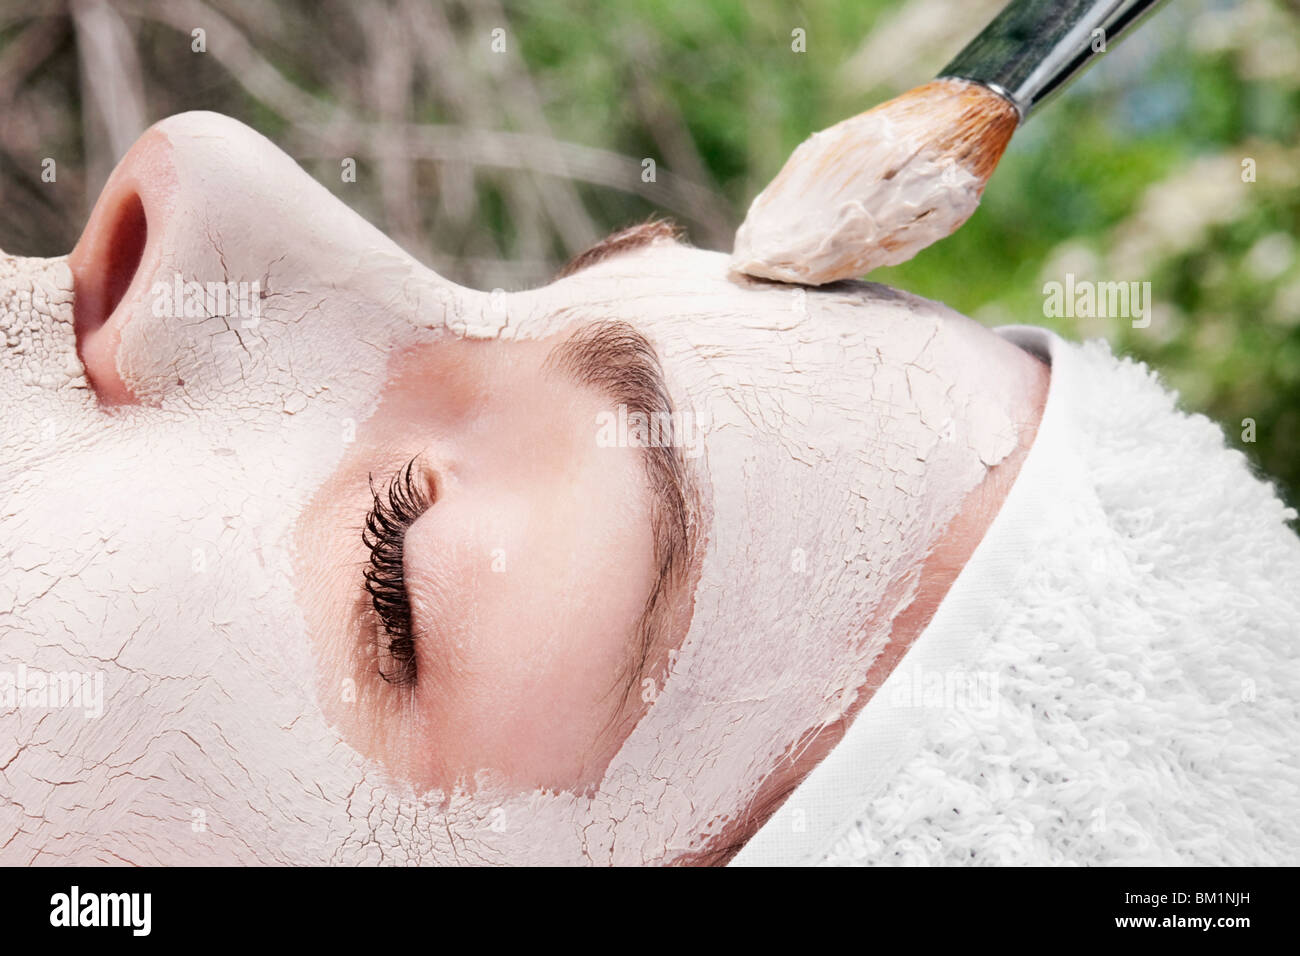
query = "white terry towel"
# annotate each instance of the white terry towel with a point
(1113, 678)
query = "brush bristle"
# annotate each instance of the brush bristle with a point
(973, 125)
(877, 188)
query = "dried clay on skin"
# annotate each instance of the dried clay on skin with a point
(153, 543)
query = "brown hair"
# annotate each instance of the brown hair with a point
(625, 240)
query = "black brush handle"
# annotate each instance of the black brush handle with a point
(1034, 47)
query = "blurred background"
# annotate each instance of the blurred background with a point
(494, 139)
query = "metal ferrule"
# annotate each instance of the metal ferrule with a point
(1034, 47)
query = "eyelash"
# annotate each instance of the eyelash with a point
(384, 534)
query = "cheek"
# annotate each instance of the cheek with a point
(530, 593)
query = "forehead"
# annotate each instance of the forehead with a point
(672, 290)
(662, 277)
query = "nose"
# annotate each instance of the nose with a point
(204, 229)
(117, 253)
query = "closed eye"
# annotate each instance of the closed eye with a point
(393, 512)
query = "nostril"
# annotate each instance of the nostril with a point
(101, 285)
(127, 247)
(117, 252)
(104, 265)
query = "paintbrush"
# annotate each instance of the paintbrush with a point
(878, 188)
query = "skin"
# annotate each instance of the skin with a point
(533, 523)
(184, 497)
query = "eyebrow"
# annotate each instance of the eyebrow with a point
(625, 240)
(615, 359)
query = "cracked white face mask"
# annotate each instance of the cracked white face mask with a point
(184, 505)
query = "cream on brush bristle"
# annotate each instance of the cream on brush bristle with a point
(878, 188)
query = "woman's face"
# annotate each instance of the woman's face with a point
(368, 566)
